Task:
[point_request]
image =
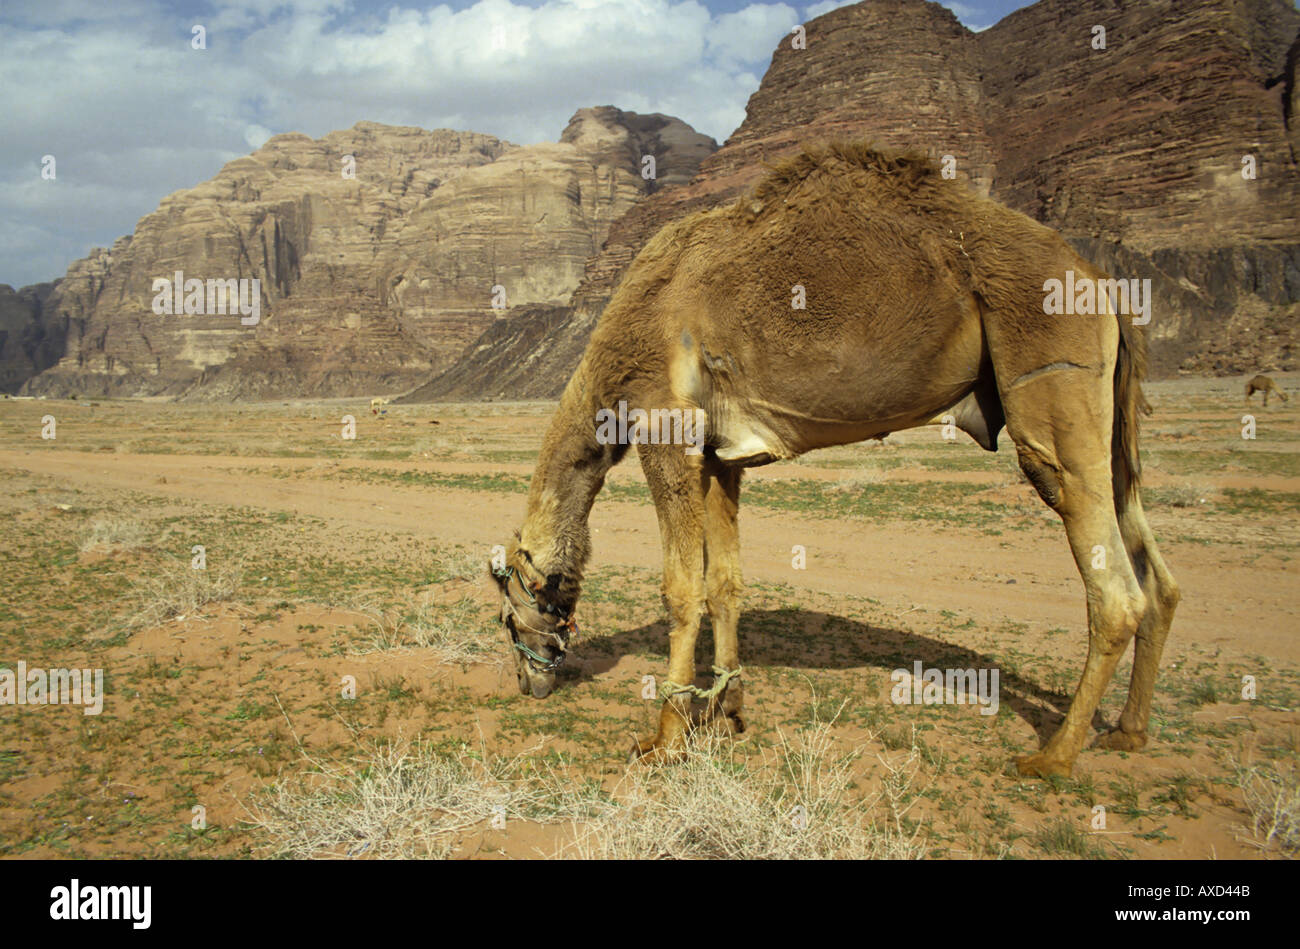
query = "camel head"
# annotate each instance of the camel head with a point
(537, 611)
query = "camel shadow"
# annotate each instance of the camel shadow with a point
(816, 641)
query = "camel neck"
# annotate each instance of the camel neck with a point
(571, 469)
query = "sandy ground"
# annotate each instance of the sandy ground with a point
(878, 587)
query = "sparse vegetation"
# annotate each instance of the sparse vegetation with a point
(178, 589)
(797, 805)
(342, 560)
(402, 801)
(114, 532)
(1271, 792)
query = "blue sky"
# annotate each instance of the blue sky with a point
(113, 90)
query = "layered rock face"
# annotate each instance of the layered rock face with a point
(380, 251)
(1134, 152)
(27, 345)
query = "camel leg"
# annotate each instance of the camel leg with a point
(1060, 423)
(723, 585)
(677, 486)
(1162, 598)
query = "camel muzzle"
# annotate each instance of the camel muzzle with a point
(535, 664)
(534, 670)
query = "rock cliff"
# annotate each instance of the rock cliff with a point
(380, 252)
(1134, 152)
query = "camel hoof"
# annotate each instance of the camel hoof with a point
(1117, 740)
(652, 751)
(1041, 766)
(724, 724)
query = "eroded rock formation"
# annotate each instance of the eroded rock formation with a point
(1134, 152)
(377, 250)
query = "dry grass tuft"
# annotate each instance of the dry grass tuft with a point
(400, 800)
(1271, 793)
(1187, 494)
(859, 479)
(462, 565)
(454, 633)
(405, 801)
(109, 532)
(180, 590)
(794, 805)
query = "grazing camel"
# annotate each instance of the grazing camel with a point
(920, 298)
(1265, 385)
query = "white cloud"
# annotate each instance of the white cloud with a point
(256, 135)
(969, 15)
(812, 11)
(131, 112)
(750, 34)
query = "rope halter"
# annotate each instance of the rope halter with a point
(566, 626)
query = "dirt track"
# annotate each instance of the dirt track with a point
(1023, 576)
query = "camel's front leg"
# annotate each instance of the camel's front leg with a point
(684, 592)
(676, 486)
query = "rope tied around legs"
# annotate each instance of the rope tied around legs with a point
(721, 678)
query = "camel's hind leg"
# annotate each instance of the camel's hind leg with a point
(723, 584)
(677, 484)
(1061, 423)
(1162, 598)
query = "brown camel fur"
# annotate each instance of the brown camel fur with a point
(920, 297)
(1265, 385)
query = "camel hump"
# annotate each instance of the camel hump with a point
(1264, 384)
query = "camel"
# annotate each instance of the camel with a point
(918, 297)
(1265, 385)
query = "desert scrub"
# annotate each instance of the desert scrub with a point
(454, 633)
(403, 801)
(178, 589)
(108, 532)
(1271, 793)
(796, 805)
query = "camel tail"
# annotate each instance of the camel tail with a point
(1130, 404)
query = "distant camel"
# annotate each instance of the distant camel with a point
(1265, 385)
(918, 297)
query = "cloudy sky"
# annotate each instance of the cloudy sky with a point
(115, 91)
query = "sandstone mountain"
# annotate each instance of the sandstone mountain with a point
(380, 252)
(384, 282)
(26, 347)
(1135, 152)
